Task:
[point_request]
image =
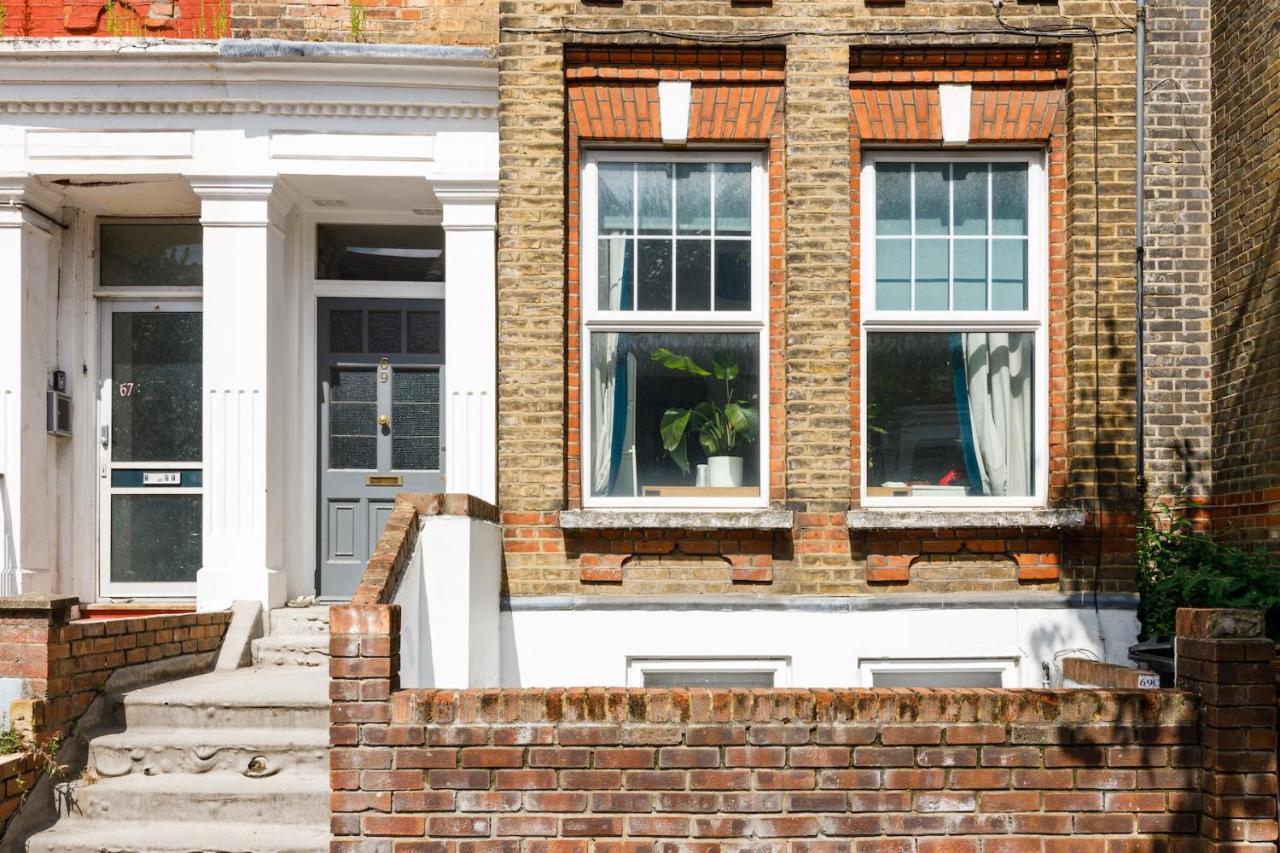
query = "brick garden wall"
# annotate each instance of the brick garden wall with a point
(545, 47)
(65, 663)
(563, 771)
(444, 22)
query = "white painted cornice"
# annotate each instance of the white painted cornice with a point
(139, 77)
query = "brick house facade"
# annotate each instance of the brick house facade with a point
(840, 92)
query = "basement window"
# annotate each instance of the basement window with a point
(940, 673)
(757, 673)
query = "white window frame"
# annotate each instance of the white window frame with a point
(1006, 666)
(595, 319)
(1034, 319)
(638, 666)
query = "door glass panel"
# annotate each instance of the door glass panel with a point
(424, 331)
(384, 331)
(353, 418)
(155, 538)
(169, 254)
(156, 395)
(346, 331)
(415, 420)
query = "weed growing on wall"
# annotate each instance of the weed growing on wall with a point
(1181, 566)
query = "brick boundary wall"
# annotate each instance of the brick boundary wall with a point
(929, 771)
(1096, 673)
(64, 665)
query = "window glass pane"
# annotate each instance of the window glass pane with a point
(932, 199)
(651, 391)
(693, 275)
(616, 275)
(616, 191)
(655, 275)
(151, 255)
(693, 198)
(744, 678)
(733, 275)
(380, 252)
(970, 275)
(937, 678)
(970, 188)
(733, 199)
(932, 269)
(155, 538)
(893, 198)
(157, 371)
(893, 275)
(1008, 275)
(1008, 198)
(655, 197)
(950, 414)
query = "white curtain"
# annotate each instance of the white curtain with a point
(604, 391)
(998, 372)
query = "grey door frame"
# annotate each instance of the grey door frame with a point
(326, 361)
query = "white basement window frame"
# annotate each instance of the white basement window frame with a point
(1006, 669)
(751, 323)
(1031, 318)
(778, 667)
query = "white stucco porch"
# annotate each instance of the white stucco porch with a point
(260, 143)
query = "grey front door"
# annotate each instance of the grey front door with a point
(381, 371)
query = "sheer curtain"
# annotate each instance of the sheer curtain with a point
(613, 379)
(997, 371)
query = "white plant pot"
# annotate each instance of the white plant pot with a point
(724, 472)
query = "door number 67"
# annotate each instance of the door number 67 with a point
(126, 389)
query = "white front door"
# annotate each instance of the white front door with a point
(150, 453)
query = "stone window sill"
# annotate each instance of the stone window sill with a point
(640, 519)
(990, 518)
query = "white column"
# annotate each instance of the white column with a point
(246, 370)
(29, 238)
(470, 337)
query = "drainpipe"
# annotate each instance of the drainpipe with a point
(1140, 253)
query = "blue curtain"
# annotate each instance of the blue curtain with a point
(960, 383)
(621, 392)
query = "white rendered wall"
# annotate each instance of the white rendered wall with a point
(449, 605)
(590, 647)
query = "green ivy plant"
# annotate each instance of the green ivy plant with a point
(1181, 566)
(722, 426)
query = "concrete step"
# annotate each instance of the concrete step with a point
(205, 797)
(83, 836)
(292, 621)
(283, 697)
(251, 752)
(291, 650)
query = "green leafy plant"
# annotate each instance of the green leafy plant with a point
(357, 19)
(723, 425)
(1182, 566)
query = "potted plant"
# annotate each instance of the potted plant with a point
(724, 424)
